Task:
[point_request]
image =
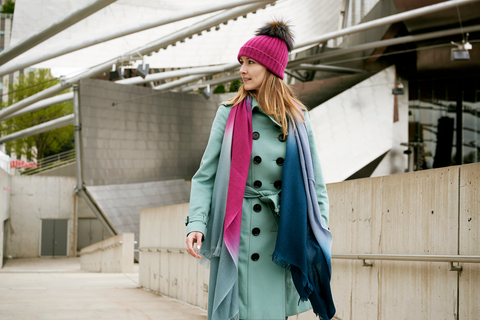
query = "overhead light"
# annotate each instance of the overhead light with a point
(116, 73)
(207, 92)
(142, 69)
(399, 89)
(461, 52)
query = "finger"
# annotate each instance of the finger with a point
(190, 250)
(199, 240)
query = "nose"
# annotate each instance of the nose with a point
(242, 69)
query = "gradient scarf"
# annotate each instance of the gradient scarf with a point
(301, 228)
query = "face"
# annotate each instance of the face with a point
(252, 72)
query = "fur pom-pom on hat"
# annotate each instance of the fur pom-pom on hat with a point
(270, 46)
(278, 29)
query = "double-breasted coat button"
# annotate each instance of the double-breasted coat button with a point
(281, 138)
(255, 135)
(280, 161)
(257, 208)
(256, 231)
(257, 159)
(277, 184)
(255, 256)
(257, 184)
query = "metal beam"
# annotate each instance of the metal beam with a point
(78, 137)
(171, 39)
(178, 83)
(386, 20)
(180, 73)
(213, 81)
(43, 104)
(59, 87)
(53, 29)
(322, 67)
(117, 33)
(156, 45)
(91, 204)
(44, 127)
(384, 43)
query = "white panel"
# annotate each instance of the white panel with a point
(355, 127)
(309, 18)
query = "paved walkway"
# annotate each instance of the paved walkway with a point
(51, 289)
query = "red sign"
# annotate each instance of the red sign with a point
(22, 164)
(7, 188)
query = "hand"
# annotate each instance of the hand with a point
(192, 238)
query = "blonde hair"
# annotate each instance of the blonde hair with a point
(275, 98)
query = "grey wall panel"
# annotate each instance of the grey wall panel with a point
(122, 203)
(150, 136)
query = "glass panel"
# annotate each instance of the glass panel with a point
(435, 106)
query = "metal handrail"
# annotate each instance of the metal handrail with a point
(51, 162)
(409, 257)
(395, 257)
(392, 257)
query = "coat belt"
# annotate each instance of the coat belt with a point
(271, 198)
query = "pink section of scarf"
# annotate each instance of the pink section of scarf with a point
(240, 121)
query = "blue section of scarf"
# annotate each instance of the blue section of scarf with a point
(304, 242)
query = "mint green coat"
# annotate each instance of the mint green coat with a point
(266, 291)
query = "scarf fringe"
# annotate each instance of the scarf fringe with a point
(280, 262)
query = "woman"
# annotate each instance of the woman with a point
(267, 261)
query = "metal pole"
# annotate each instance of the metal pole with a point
(180, 73)
(82, 193)
(117, 33)
(179, 82)
(384, 43)
(213, 81)
(79, 189)
(42, 105)
(321, 67)
(44, 127)
(53, 29)
(77, 137)
(32, 99)
(387, 20)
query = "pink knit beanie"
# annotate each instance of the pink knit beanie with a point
(270, 47)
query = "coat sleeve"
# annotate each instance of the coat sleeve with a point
(203, 180)
(320, 187)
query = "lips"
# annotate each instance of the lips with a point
(246, 79)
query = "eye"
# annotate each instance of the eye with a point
(251, 61)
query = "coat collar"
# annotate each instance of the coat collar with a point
(255, 105)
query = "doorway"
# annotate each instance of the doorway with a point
(54, 238)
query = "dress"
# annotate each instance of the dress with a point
(266, 291)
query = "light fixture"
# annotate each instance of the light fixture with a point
(142, 69)
(399, 89)
(207, 92)
(461, 52)
(116, 73)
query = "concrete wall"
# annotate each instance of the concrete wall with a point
(33, 198)
(148, 136)
(112, 255)
(5, 184)
(355, 127)
(431, 212)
